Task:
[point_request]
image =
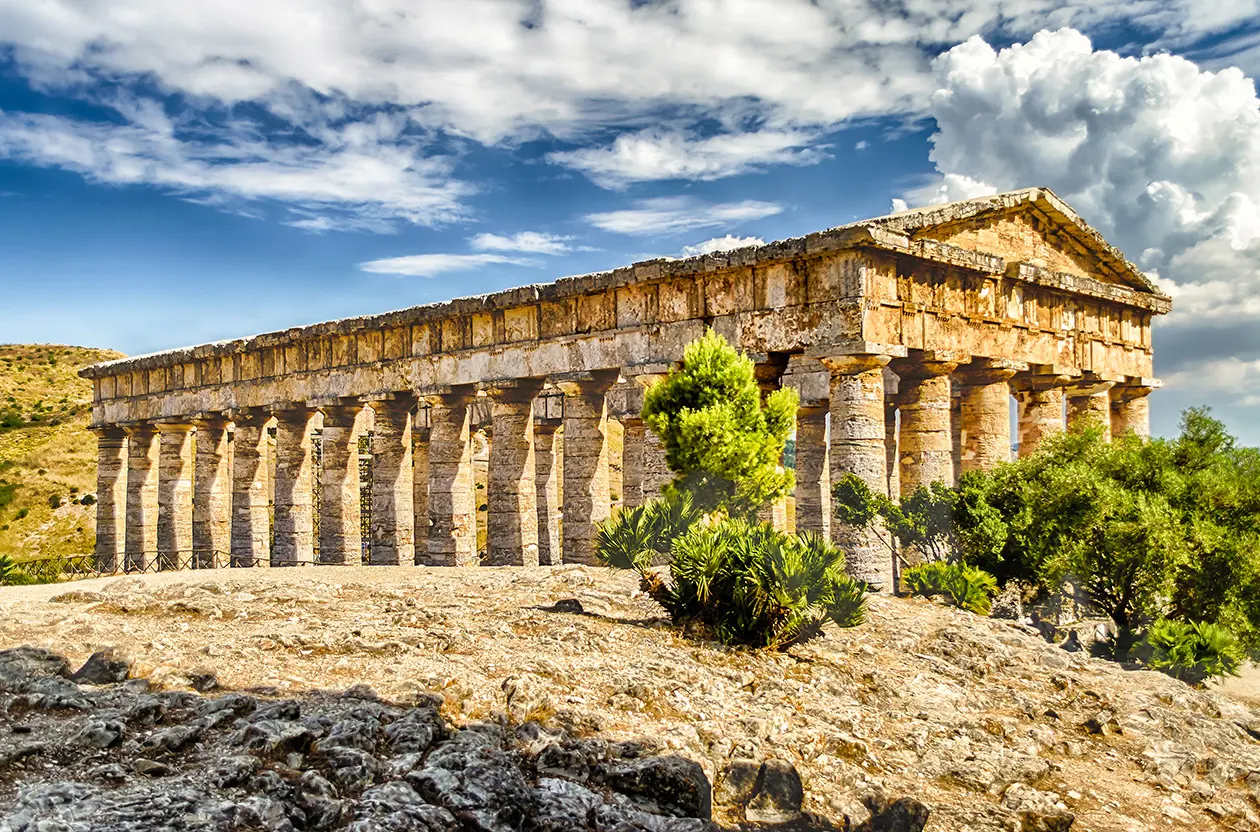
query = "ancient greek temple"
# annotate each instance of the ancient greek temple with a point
(912, 338)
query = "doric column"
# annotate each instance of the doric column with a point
(926, 439)
(251, 521)
(656, 473)
(175, 494)
(986, 412)
(547, 467)
(1131, 409)
(813, 476)
(340, 535)
(1089, 403)
(420, 484)
(632, 444)
(955, 428)
(212, 493)
(111, 483)
(512, 512)
(1040, 396)
(393, 521)
(892, 451)
(142, 496)
(452, 510)
(586, 497)
(294, 521)
(857, 447)
(769, 375)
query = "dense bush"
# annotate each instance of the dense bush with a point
(1194, 651)
(736, 580)
(742, 583)
(1147, 529)
(966, 587)
(722, 443)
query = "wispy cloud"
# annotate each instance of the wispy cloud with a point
(652, 155)
(532, 242)
(674, 215)
(430, 265)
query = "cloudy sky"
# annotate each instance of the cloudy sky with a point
(179, 172)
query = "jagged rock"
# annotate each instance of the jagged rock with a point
(664, 785)
(477, 782)
(104, 667)
(777, 795)
(737, 782)
(100, 734)
(903, 814)
(1037, 811)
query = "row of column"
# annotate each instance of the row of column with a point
(946, 415)
(164, 505)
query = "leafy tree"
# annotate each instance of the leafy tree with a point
(722, 443)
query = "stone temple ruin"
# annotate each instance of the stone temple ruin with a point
(906, 336)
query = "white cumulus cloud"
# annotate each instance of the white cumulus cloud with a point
(1162, 156)
(430, 265)
(725, 243)
(731, 86)
(674, 215)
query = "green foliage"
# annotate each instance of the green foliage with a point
(1194, 651)
(640, 536)
(723, 445)
(743, 583)
(1148, 529)
(966, 587)
(8, 569)
(8, 491)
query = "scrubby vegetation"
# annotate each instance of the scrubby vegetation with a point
(966, 587)
(1194, 651)
(728, 576)
(47, 456)
(1147, 530)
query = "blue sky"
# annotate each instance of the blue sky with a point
(178, 173)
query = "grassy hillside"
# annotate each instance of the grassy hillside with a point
(47, 455)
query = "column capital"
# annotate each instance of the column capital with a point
(175, 425)
(1135, 388)
(1088, 387)
(341, 415)
(291, 411)
(105, 433)
(400, 398)
(138, 428)
(439, 395)
(856, 349)
(851, 364)
(516, 390)
(589, 383)
(248, 415)
(928, 367)
(209, 419)
(984, 371)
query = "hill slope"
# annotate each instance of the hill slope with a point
(977, 718)
(47, 455)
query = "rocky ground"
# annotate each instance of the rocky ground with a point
(981, 721)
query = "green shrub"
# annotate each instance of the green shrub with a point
(8, 569)
(722, 442)
(742, 583)
(966, 587)
(1194, 651)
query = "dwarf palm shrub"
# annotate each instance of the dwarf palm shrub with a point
(743, 583)
(966, 587)
(1193, 651)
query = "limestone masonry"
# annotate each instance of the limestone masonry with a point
(906, 336)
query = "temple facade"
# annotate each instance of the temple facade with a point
(906, 335)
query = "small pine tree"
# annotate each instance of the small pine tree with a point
(722, 443)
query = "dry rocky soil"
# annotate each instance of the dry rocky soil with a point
(586, 715)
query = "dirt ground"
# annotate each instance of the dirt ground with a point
(920, 700)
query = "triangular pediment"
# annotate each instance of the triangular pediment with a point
(1030, 226)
